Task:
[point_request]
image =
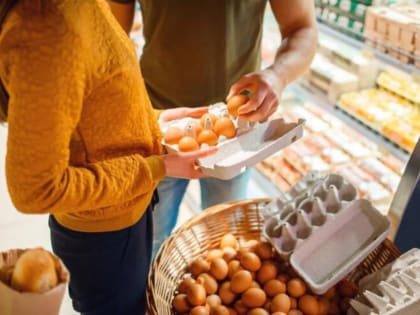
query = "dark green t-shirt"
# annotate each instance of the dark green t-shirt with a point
(195, 49)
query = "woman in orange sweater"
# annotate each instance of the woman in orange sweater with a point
(84, 145)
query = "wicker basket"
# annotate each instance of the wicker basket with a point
(205, 230)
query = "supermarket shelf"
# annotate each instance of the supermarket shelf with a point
(311, 93)
(328, 30)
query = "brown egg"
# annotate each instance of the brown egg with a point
(324, 306)
(347, 288)
(279, 313)
(294, 312)
(308, 304)
(258, 311)
(253, 297)
(199, 266)
(213, 254)
(213, 300)
(173, 135)
(196, 294)
(208, 282)
(250, 261)
(206, 118)
(296, 287)
(273, 287)
(180, 303)
(188, 144)
(219, 268)
(268, 271)
(226, 294)
(264, 250)
(225, 127)
(233, 267)
(280, 303)
(229, 240)
(207, 136)
(182, 288)
(200, 310)
(229, 254)
(235, 102)
(250, 245)
(330, 293)
(240, 308)
(255, 284)
(241, 281)
(219, 310)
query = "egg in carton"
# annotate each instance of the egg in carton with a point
(392, 290)
(325, 232)
(250, 144)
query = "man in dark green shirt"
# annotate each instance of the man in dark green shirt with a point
(198, 52)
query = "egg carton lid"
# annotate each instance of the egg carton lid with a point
(249, 148)
(328, 255)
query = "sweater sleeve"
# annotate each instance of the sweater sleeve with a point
(46, 79)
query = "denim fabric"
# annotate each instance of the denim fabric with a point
(171, 191)
(108, 270)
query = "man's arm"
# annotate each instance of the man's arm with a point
(298, 28)
(123, 11)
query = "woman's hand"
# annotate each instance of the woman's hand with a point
(266, 88)
(184, 165)
(181, 112)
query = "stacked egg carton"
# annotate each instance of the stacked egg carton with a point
(393, 290)
(294, 221)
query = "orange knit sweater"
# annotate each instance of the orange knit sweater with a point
(83, 139)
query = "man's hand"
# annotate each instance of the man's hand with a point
(266, 88)
(181, 112)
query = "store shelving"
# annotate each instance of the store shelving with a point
(326, 28)
(309, 92)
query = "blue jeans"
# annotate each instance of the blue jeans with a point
(108, 270)
(171, 191)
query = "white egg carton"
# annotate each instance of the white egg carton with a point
(252, 144)
(325, 231)
(392, 290)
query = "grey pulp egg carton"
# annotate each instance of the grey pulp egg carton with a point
(325, 231)
(392, 290)
(252, 144)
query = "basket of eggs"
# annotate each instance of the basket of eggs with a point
(217, 263)
(240, 144)
(32, 282)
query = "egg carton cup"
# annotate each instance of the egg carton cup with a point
(298, 189)
(330, 190)
(392, 290)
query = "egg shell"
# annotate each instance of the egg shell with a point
(229, 240)
(250, 261)
(296, 287)
(308, 304)
(253, 297)
(273, 287)
(219, 269)
(280, 303)
(241, 281)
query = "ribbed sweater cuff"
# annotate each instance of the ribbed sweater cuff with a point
(157, 167)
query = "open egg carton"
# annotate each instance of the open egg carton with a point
(392, 290)
(251, 144)
(324, 231)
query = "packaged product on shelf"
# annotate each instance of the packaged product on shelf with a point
(380, 172)
(335, 156)
(404, 86)
(287, 171)
(330, 78)
(350, 59)
(313, 123)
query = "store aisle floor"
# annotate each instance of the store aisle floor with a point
(26, 231)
